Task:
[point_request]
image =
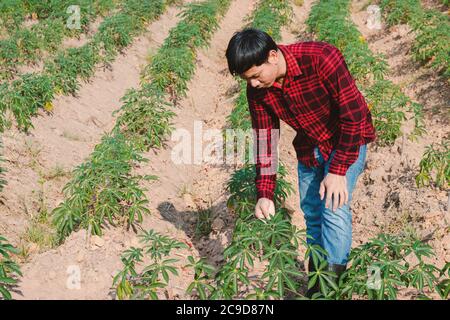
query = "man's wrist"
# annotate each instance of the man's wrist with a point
(264, 194)
(338, 169)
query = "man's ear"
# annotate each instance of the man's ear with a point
(273, 57)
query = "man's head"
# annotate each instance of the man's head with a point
(253, 55)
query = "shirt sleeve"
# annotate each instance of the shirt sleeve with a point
(266, 133)
(352, 108)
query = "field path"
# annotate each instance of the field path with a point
(64, 141)
(46, 276)
(385, 198)
(388, 198)
(38, 164)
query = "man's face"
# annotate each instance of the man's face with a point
(263, 76)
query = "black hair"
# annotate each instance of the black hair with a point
(247, 48)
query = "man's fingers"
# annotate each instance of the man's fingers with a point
(258, 213)
(265, 210)
(328, 199)
(334, 189)
(338, 200)
(322, 190)
(341, 199)
(272, 209)
(335, 200)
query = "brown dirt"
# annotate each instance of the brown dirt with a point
(66, 138)
(171, 209)
(387, 198)
(67, 42)
(435, 4)
(384, 199)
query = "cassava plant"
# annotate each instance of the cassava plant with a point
(103, 188)
(431, 28)
(388, 263)
(9, 270)
(26, 45)
(435, 166)
(70, 66)
(154, 272)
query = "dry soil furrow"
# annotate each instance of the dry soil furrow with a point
(38, 164)
(100, 260)
(185, 189)
(64, 141)
(388, 199)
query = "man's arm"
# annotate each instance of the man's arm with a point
(266, 126)
(334, 73)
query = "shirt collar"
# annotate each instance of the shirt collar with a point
(292, 68)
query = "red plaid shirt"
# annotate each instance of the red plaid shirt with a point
(320, 100)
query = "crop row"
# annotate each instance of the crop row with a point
(274, 243)
(103, 188)
(9, 270)
(63, 73)
(432, 31)
(13, 13)
(27, 45)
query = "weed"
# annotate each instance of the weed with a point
(204, 222)
(55, 173)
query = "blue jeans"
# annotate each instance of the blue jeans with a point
(331, 230)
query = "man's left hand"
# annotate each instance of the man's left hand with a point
(335, 187)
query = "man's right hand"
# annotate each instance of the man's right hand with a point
(264, 208)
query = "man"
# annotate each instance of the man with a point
(308, 86)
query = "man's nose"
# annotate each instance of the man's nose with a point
(254, 83)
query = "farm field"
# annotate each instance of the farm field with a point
(94, 206)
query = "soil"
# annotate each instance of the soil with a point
(385, 198)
